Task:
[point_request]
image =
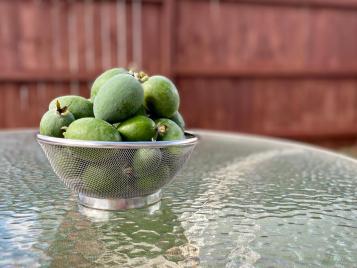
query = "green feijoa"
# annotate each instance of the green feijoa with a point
(141, 111)
(153, 181)
(53, 121)
(176, 156)
(168, 130)
(137, 128)
(80, 107)
(93, 129)
(100, 179)
(119, 98)
(161, 96)
(146, 161)
(65, 158)
(178, 119)
(104, 77)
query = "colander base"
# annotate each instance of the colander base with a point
(119, 203)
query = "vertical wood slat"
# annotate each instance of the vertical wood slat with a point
(121, 33)
(41, 92)
(137, 33)
(11, 104)
(97, 44)
(248, 113)
(2, 108)
(73, 38)
(167, 37)
(55, 32)
(89, 36)
(62, 35)
(28, 36)
(31, 110)
(105, 35)
(44, 42)
(24, 97)
(9, 25)
(113, 38)
(73, 43)
(81, 45)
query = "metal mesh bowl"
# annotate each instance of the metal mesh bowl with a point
(117, 175)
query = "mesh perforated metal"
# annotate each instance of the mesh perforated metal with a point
(116, 172)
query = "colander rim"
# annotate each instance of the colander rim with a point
(191, 139)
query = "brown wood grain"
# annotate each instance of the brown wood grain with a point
(96, 30)
(246, 37)
(205, 71)
(129, 35)
(45, 40)
(330, 4)
(277, 67)
(168, 36)
(28, 35)
(152, 32)
(82, 45)
(278, 107)
(9, 26)
(25, 103)
(113, 33)
(344, 4)
(61, 36)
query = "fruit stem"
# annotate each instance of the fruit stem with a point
(128, 171)
(59, 109)
(161, 129)
(63, 129)
(140, 76)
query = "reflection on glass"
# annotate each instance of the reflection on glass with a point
(151, 235)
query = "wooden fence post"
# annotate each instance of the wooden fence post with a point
(168, 37)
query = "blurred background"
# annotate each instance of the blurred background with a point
(285, 68)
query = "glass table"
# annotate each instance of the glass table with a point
(241, 201)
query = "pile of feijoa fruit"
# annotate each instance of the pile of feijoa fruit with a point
(124, 106)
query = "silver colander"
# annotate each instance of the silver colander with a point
(116, 175)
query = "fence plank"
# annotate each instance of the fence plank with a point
(304, 107)
(264, 38)
(152, 54)
(121, 19)
(168, 36)
(9, 25)
(285, 68)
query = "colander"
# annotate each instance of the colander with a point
(117, 175)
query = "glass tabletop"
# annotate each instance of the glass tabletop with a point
(241, 201)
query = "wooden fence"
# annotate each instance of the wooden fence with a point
(277, 67)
